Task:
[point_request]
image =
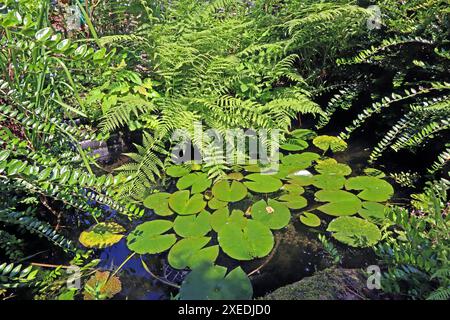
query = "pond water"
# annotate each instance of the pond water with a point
(298, 252)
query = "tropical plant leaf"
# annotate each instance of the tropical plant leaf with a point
(226, 192)
(274, 214)
(159, 203)
(102, 235)
(354, 231)
(325, 143)
(198, 182)
(310, 219)
(341, 203)
(182, 203)
(193, 225)
(373, 189)
(262, 183)
(190, 252)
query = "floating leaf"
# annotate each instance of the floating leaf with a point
(216, 204)
(210, 282)
(301, 181)
(224, 191)
(193, 225)
(263, 183)
(305, 134)
(148, 237)
(373, 211)
(102, 235)
(333, 168)
(235, 176)
(222, 217)
(293, 201)
(293, 188)
(177, 171)
(325, 143)
(373, 189)
(198, 181)
(189, 253)
(255, 240)
(310, 219)
(302, 160)
(354, 231)
(272, 213)
(294, 145)
(182, 203)
(328, 182)
(159, 203)
(102, 282)
(341, 203)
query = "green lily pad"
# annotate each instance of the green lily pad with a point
(293, 188)
(190, 252)
(159, 203)
(102, 235)
(373, 189)
(294, 145)
(198, 181)
(222, 217)
(302, 160)
(262, 183)
(193, 225)
(255, 240)
(226, 192)
(310, 219)
(293, 201)
(325, 143)
(182, 203)
(215, 204)
(235, 176)
(301, 181)
(305, 134)
(148, 237)
(210, 282)
(341, 203)
(328, 182)
(273, 214)
(354, 231)
(373, 211)
(177, 171)
(333, 168)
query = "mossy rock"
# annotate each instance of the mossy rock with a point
(329, 284)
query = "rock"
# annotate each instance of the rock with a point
(329, 284)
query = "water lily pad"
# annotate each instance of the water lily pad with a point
(235, 176)
(325, 143)
(263, 183)
(341, 203)
(294, 145)
(190, 252)
(328, 182)
(192, 225)
(102, 235)
(210, 282)
(198, 181)
(215, 204)
(273, 214)
(149, 237)
(310, 219)
(293, 201)
(373, 189)
(105, 284)
(224, 191)
(222, 217)
(373, 211)
(293, 188)
(333, 168)
(177, 171)
(354, 231)
(159, 203)
(182, 203)
(301, 181)
(302, 160)
(305, 134)
(255, 240)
